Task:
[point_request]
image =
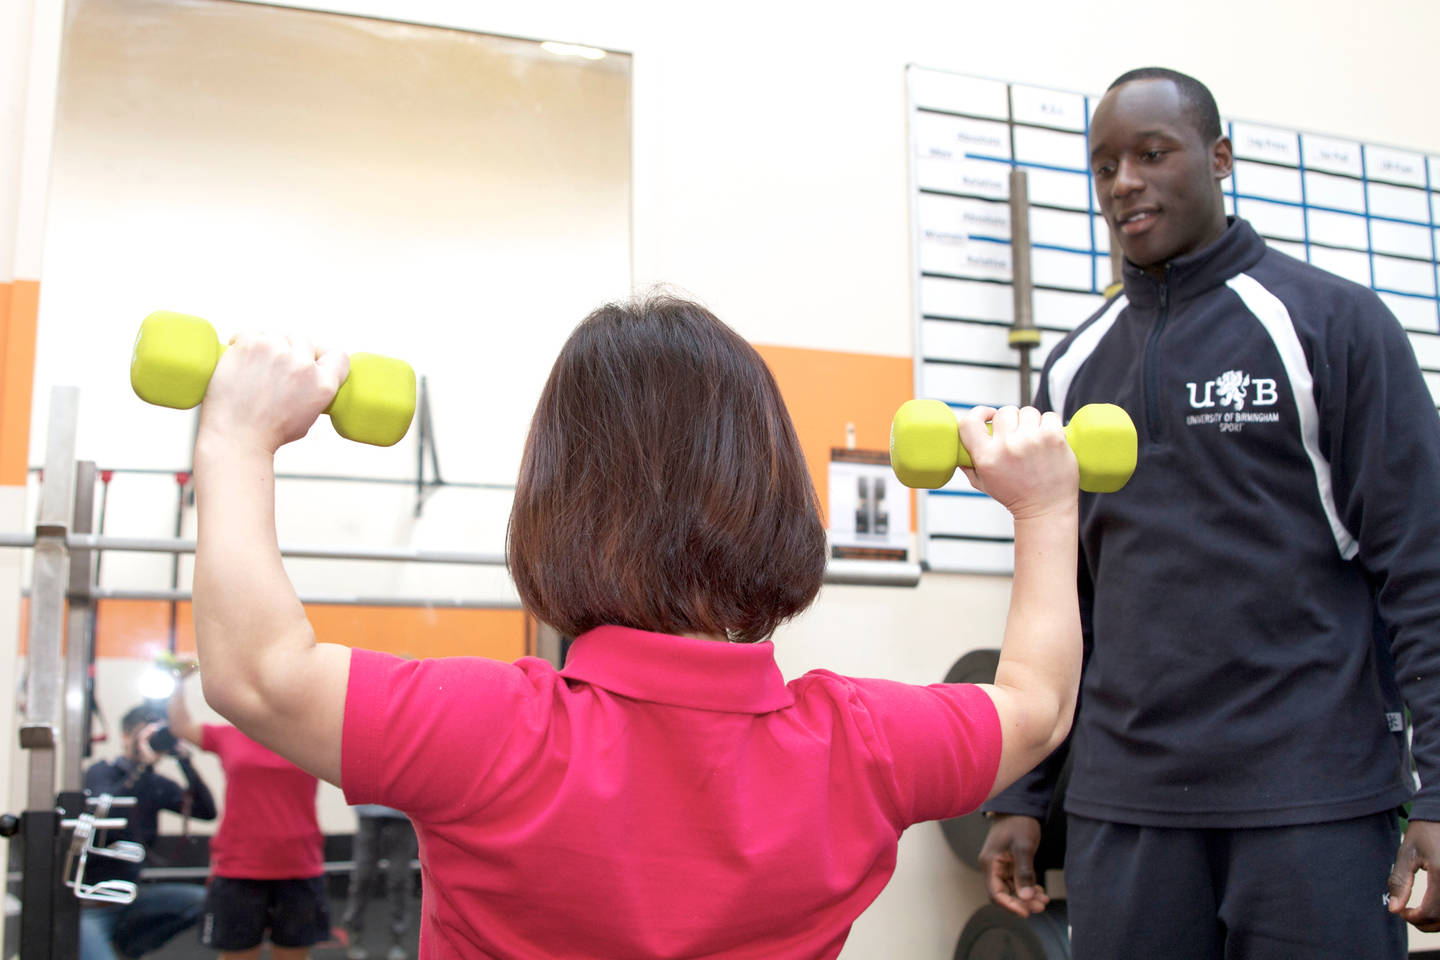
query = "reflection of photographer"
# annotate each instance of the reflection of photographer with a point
(267, 860)
(161, 910)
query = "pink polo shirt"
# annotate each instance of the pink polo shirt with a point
(659, 797)
(268, 829)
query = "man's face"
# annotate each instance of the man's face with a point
(136, 746)
(1156, 178)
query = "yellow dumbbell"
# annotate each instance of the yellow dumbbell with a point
(925, 446)
(175, 355)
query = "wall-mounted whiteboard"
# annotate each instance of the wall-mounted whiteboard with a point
(1366, 212)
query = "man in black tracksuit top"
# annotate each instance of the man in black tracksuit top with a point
(1257, 599)
(160, 911)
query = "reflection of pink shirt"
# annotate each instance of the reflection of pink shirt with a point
(268, 829)
(659, 797)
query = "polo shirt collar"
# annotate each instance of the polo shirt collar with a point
(680, 671)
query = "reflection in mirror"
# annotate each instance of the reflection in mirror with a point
(453, 199)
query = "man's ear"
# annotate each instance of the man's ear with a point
(1222, 158)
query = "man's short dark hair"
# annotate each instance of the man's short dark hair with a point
(138, 716)
(1195, 95)
(663, 487)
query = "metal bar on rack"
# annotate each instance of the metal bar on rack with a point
(177, 545)
(335, 600)
(97, 558)
(182, 482)
(1024, 336)
(917, 283)
(424, 490)
(79, 633)
(863, 572)
(321, 477)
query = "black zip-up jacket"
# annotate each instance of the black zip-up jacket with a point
(1251, 598)
(152, 792)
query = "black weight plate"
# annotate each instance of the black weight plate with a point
(966, 836)
(994, 933)
(977, 666)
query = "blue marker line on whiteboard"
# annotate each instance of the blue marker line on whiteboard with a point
(1431, 197)
(1304, 213)
(1031, 164)
(1369, 241)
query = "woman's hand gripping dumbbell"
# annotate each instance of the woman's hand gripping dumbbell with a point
(176, 354)
(925, 446)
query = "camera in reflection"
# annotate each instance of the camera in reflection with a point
(163, 740)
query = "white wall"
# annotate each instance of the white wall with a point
(769, 137)
(769, 179)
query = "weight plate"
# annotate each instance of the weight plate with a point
(977, 666)
(994, 933)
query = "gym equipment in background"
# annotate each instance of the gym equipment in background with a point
(966, 835)
(995, 933)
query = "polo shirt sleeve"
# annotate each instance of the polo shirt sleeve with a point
(212, 737)
(941, 744)
(440, 738)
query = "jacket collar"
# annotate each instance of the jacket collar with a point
(1238, 249)
(679, 671)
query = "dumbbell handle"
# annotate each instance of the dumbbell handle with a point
(962, 456)
(175, 355)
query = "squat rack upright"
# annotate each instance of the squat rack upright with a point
(55, 697)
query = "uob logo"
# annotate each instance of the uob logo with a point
(1233, 388)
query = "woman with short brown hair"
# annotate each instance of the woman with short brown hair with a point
(666, 794)
(663, 486)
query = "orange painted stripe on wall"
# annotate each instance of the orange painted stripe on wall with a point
(425, 631)
(140, 629)
(826, 389)
(19, 307)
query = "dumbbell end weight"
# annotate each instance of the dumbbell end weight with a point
(173, 358)
(1109, 449)
(925, 444)
(376, 402)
